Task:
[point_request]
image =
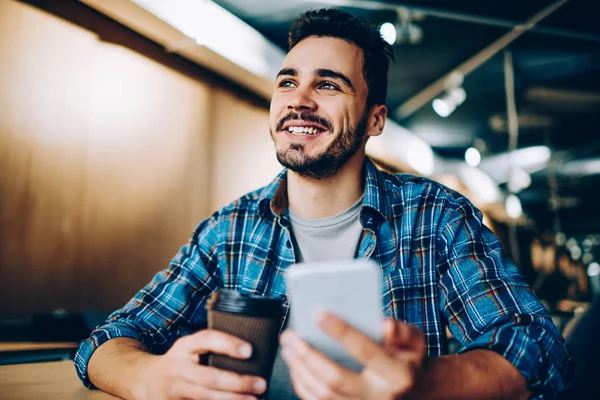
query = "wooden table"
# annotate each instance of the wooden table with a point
(32, 352)
(30, 346)
(49, 381)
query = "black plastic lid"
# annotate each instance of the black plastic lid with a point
(231, 301)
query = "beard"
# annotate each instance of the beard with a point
(328, 162)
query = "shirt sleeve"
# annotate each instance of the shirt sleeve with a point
(488, 305)
(170, 306)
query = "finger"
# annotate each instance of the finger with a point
(306, 378)
(221, 380)
(194, 392)
(403, 335)
(406, 342)
(388, 332)
(356, 343)
(212, 341)
(300, 388)
(322, 375)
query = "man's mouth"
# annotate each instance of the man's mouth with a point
(304, 130)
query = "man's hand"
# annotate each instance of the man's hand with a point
(178, 374)
(390, 369)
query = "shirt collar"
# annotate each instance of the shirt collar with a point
(272, 201)
(273, 198)
(376, 198)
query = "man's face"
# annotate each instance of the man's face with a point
(318, 118)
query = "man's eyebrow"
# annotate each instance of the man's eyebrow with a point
(288, 71)
(328, 73)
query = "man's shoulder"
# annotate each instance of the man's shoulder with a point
(402, 187)
(246, 204)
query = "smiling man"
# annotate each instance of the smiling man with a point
(441, 267)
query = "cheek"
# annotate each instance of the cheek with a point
(275, 111)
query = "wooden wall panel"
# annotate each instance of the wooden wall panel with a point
(145, 167)
(104, 167)
(43, 94)
(244, 154)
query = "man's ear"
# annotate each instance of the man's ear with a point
(376, 121)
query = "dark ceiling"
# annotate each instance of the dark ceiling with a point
(557, 85)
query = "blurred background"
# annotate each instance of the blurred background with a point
(124, 123)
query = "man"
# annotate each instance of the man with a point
(441, 267)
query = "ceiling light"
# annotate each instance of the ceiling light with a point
(518, 180)
(210, 25)
(472, 156)
(513, 206)
(560, 239)
(593, 269)
(480, 184)
(529, 159)
(441, 108)
(388, 32)
(576, 253)
(446, 104)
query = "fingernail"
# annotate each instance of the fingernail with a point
(245, 350)
(259, 386)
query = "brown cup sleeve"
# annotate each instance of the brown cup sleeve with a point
(262, 333)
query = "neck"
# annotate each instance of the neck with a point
(323, 198)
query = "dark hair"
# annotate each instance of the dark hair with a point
(340, 24)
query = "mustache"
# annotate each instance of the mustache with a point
(305, 116)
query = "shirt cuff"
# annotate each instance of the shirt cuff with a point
(539, 363)
(98, 337)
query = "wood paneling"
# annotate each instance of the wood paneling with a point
(244, 154)
(108, 159)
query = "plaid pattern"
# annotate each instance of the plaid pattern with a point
(441, 267)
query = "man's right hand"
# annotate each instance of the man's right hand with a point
(178, 374)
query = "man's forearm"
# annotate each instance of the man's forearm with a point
(477, 374)
(117, 366)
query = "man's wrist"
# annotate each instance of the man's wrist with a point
(421, 382)
(468, 376)
(146, 365)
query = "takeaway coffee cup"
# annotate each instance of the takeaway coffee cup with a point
(255, 319)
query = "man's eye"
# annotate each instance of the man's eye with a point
(286, 83)
(327, 86)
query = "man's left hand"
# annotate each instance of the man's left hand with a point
(391, 369)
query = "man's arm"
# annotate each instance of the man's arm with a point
(489, 306)
(477, 374)
(167, 317)
(127, 359)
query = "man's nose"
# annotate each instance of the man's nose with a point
(301, 100)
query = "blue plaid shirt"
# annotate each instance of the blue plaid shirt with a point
(440, 267)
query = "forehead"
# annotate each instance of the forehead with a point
(335, 54)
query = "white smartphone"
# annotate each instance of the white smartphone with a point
(350, 289)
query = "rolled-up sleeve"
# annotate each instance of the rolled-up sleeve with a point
(170, 306)
(488, 305)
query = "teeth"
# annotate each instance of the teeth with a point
(305, 130)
